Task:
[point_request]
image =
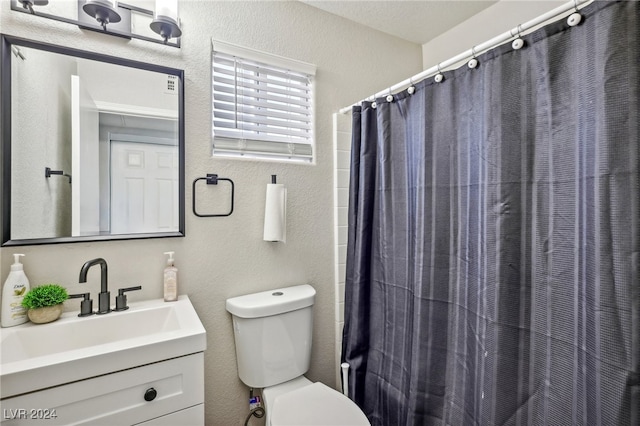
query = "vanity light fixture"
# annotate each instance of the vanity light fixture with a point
(165, 22)
(114, 18)
(103, 10)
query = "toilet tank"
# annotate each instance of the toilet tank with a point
(273, 331)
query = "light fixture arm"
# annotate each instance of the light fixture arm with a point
(28, 4)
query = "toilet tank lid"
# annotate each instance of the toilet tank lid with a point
(272, 302)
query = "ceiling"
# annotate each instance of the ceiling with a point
(415, 21)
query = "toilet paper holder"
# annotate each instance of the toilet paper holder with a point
(211, 179)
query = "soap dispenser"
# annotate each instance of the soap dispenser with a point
(15, 288)
(170, 280)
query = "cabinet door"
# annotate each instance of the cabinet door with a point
(193, 416)
(113, 399)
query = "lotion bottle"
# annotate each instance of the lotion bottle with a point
(170, 280)
(15, 288)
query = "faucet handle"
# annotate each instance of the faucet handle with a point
(121, 298)
(86, 306)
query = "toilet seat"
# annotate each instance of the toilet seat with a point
(316, 405)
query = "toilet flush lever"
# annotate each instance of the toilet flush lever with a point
(121, 298)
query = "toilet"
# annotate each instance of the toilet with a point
(273, 331)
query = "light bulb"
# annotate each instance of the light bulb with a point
(167, 8)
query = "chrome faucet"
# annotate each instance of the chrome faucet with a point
(104, 303)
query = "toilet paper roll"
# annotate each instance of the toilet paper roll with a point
(275, 213)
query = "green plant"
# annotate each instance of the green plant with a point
(45, 295)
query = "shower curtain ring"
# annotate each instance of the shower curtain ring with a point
(389, 96)
(518, 43)
(374, 104)
(411, 89)
(473, 62)
(439, 77)
(575, 18)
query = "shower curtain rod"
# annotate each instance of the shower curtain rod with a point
(474, 51)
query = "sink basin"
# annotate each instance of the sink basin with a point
(36, 356)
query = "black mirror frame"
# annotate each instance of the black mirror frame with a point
(6, 41)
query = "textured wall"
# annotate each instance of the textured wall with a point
(45, 217)
(224, 257)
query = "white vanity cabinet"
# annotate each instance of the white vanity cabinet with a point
(169, 392)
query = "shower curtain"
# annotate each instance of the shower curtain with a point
(494, 238)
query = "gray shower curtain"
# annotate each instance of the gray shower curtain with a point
(494, 238)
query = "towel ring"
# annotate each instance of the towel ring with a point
(212, 179)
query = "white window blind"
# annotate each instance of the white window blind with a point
(262, 105)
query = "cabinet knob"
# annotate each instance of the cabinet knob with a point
(150, 394)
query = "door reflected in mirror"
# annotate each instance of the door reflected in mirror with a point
(112, 133)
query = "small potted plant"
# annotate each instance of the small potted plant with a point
(44, 303)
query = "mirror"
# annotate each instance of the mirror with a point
(92, 146)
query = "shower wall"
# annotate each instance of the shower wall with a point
(341, 161)
(491, 22)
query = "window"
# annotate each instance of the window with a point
(262, 105)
